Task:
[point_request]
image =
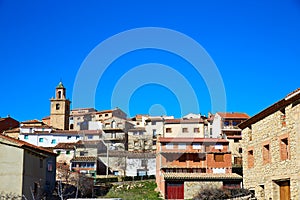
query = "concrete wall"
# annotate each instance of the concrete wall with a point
(263, 176)
(177, 130)
(11, 165)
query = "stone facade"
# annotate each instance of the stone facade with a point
(191, 188)
(271, 151)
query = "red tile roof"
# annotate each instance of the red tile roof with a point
(201, 176)
(8, 123)
(23, 144)
(233, 115)
(191, 139)
(183, 121)
(84, 159)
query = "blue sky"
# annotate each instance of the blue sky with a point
(254, 44)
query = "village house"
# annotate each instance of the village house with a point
(26, 170)
(225, 125)
(184, 166)
(191, 127)
(139, 140)
(271, 151)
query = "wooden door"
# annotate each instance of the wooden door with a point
(175, 190)
(285, 190)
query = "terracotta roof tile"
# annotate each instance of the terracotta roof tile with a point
(234, 115)
(183, 121)
(201, 176)
(84, 159)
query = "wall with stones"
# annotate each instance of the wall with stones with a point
(263, 177)
(191, 189)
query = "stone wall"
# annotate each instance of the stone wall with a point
(191, 188)
(264, 177)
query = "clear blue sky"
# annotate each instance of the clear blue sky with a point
(254, 44)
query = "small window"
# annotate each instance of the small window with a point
(71, 126)
(90, 137)
(26, 137)
(181, 146)
(219, 157)
(284, 149)
(169, 146)
(41, 163)
(154, 132)
(266, 154)
(250, 159)
(77, 137)
(196, 130)
(57, 106)
(53, 141)
(197, 146)
(240, 150)
(68, 152)
(41, 139)
(144, 163)
(69, 137)
(168, 130)
(185, 130)
(58, 152)
(183, 158)
(153, 123)
(50, 167)
(106, 115)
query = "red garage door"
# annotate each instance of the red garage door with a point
(175, 190)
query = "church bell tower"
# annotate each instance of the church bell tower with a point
(60, 109)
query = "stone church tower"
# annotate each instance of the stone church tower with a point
(60, 109)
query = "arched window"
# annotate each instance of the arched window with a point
(57, 106)
(59, 94)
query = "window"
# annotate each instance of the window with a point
(144, 163)
(26, 137)
(284, 149)
(240, 150)
(106, 115)
(250, 159)
(71, 126)
(153, 123)
(154, 132)
(50, 167)
(90, 137)
(68, 152)
(169, 146)
(181, 146)
(41, 163)
(59, 94)
(196, 130)
(53, 141)
(197, 146)
(57, 106)
(183, 158)
(58, 152)
(77, 137)
(69, 137)
(266, 154)
(185, 130)
(41, 139)
(219, 157)
(168, 130)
